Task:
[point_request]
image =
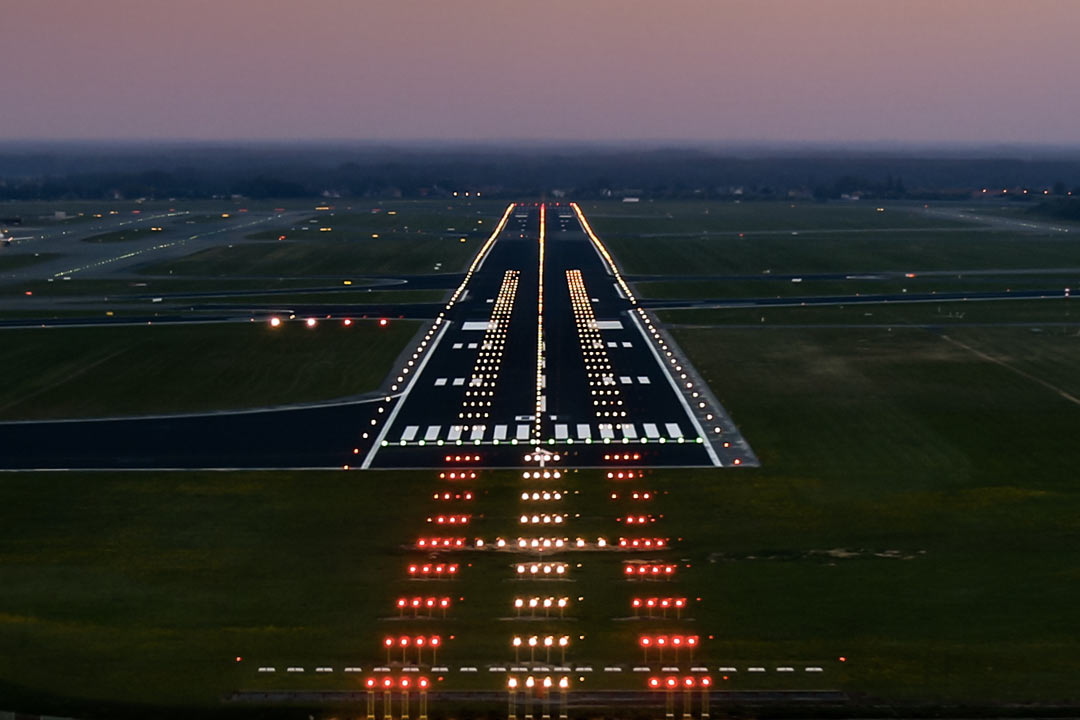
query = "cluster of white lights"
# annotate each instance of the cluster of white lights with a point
(539, 399)
(538, 474)
(546, 495)
(481, 390)
(546, 543)
(541, 603)
(606, 397)
(545, 519)
(535, 569)
(540, 641)
(529, 683)
(541, 543)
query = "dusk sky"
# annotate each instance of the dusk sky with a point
(969, 71)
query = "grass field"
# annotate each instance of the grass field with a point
(152, 286)
(82, 372)
(325, 258)
(766, 287)
(610, 219)
(338, 298)
(119, 236)
(915, 514)
(959, 312)
(15, 261)
(851, 253)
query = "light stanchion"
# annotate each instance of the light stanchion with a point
(387, 709)
(545, 698)
(564, 641)
(530, 683)
(706, 684)
(564, 687)
(516, 642)
(549, 641)
(671, 684)
(688, 701)
(423, 684)
(370, 685)
(405, 683)
(511, 698)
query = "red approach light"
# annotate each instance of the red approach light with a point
(688, 682)
(369, 683)
(654, 683)
(383, 322)
(388, 683)
(423, 683)
(671, 682)
(405, 683)
(705, 681)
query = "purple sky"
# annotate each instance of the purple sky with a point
(973, 71)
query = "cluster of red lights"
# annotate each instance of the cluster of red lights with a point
(462, 458)
(623, 456)
(636, 519)
(440, 543)
(429, 603)
(687, 682)
(642, 543)
(450, 519)
(624, 475)
(673, 641)
(652, 570)
(433, 570)
(457, 476)
(403, 683)
(453, 496)
(662, 603)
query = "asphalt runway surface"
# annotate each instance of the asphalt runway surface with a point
(612, 387)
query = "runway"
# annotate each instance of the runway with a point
(549, 350)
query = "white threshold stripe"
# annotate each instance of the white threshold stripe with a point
(375, 447)
(678, 393)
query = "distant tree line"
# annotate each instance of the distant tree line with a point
(276, 171)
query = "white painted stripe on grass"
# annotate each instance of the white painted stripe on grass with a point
(410, 432)
(500, 432)
(650, 431)
(584, 431)
(561, 431)
(432, 433)
(629, 430)
(522, 432)
(439, 382)
(674, 431)
(643, 380)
